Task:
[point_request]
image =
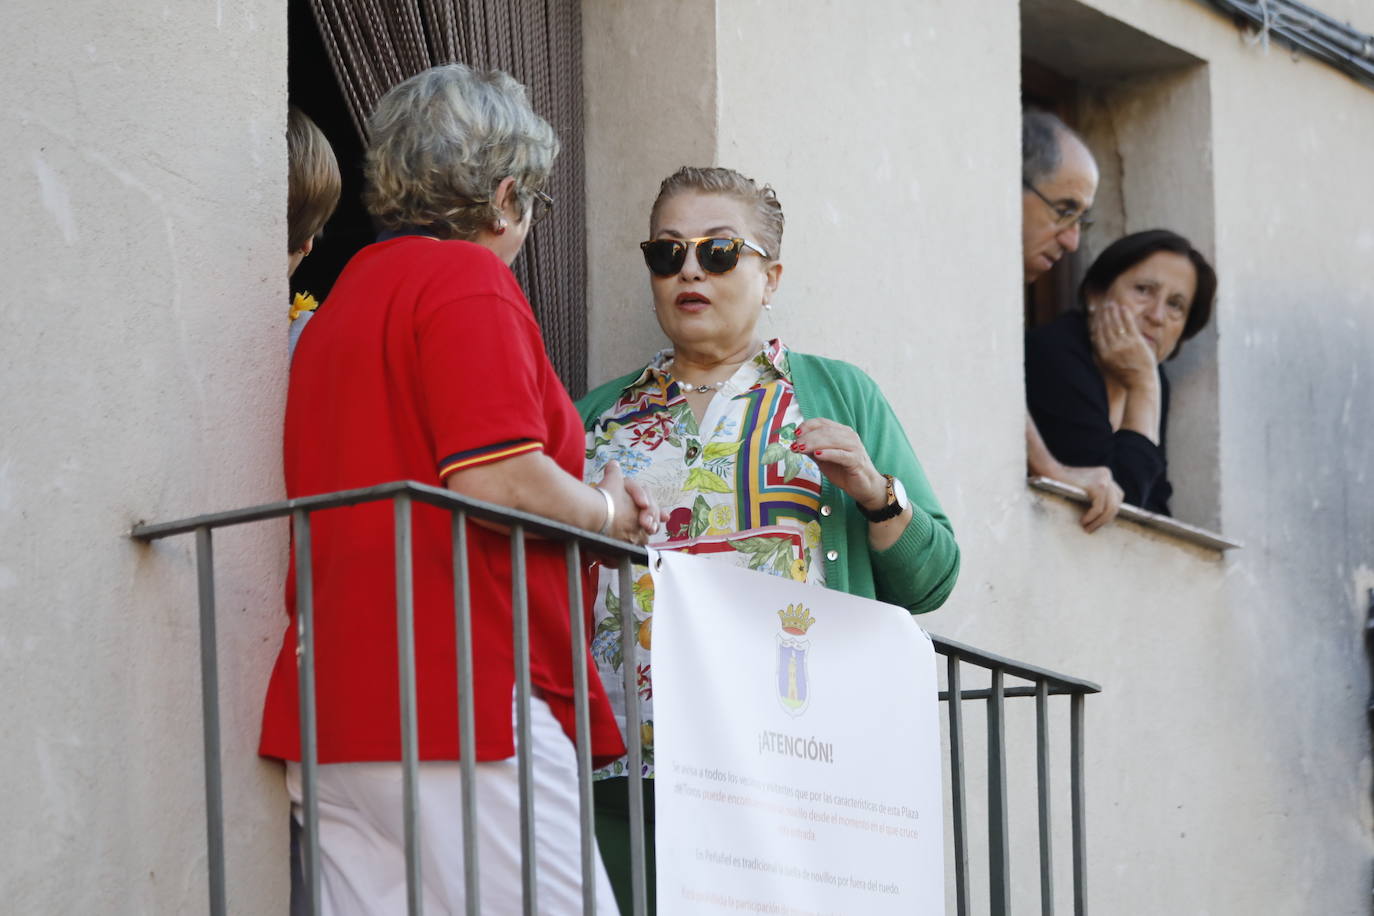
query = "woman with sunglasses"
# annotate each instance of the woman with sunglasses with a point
(764, 457)
(428, 365)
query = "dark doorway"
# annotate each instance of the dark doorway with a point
(311, 86)
(367, 47)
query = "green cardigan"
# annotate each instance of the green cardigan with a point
(918, 571)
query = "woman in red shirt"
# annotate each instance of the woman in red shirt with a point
(427, 364)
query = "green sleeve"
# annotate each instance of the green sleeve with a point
(920, 569)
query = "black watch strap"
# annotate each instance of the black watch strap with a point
(892, 509)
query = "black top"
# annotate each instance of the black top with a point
(1067, 397)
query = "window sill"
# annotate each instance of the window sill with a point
(1161, 523)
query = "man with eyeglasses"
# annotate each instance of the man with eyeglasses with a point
(1058, 183)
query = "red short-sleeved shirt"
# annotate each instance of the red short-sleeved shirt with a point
(426, 360)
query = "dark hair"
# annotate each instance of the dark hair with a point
(1128, 251)
(1041, 135)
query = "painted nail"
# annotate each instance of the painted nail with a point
(818, 453)
(796, 446)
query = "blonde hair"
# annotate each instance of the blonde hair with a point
(312, 180)
(441, 143)
(768, 218)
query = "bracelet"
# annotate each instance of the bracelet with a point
(610, 509)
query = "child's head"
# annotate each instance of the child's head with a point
(313, 183)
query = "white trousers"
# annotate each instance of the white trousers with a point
(362, 833)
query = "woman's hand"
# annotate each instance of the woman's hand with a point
(636, 514)
(1121, 350)
(842, 458)
(1127, 358)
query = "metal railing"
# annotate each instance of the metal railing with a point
(1043, 684)
(403, 495)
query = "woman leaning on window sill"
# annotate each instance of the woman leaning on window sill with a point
(1095, 383)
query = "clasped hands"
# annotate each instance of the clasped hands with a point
(637, 515)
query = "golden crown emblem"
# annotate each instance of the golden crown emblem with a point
(796, 619)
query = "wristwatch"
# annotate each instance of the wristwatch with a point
(896, 502)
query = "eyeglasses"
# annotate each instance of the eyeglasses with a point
(1066, 215)
(543, 206)
(665, 257)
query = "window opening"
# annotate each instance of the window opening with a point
(1143, 107)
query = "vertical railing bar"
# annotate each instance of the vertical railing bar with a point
(305, 690)
(629, 640)
(209, 700)
(1042, 773)
(999, 853)
(405, 640)
(520, 613)
(467, 717)
(582, 717)
(1077, 813)
(956, 787)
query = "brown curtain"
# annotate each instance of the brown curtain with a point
(375, 44)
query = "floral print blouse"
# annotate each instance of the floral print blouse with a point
(734, 490)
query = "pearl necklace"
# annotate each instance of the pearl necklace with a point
(699, 389)
(683, 384)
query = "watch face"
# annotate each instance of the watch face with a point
(898, 494)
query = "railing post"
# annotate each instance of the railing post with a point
(582, 717)
(956, 786)
(405, 647)
(305, 694)
(1042, 772)
(467, 726)
(209, 701)
(628, 642)
(520, 612)
(1077, 799)
(999, 853)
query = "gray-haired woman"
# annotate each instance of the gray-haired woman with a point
(427, 364)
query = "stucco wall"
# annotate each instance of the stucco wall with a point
(1229, 764)
(144, 292)
(1228, 759)
(650, 107)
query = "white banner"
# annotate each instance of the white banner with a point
(797, 748)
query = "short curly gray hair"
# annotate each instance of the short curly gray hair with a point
(768, 219)
(443, 140)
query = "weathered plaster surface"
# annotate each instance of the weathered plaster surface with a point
(1229, 760)
(141, 315)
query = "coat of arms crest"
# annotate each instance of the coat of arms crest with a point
(794, 689)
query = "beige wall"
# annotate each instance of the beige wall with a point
(141, 316)
(1228, 759)
(662, 78)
